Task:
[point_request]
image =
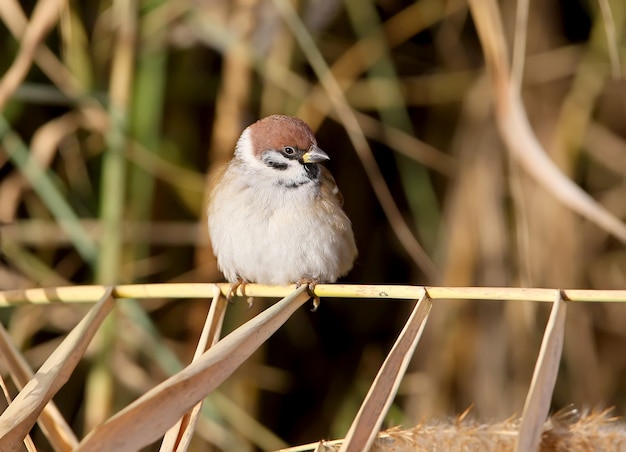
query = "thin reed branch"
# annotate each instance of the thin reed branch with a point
(92, 293)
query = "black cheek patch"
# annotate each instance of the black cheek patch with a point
(312, 170)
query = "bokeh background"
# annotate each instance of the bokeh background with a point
(106, 144)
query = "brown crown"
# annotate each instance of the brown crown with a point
(277, 131)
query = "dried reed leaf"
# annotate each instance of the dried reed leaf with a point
(28, 442)
(517, 132)
(178, 437)
(22, 413)
(149, 417)
(370, 417)
(544, 378)
(45, 15)
(50, 420)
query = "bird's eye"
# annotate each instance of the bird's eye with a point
(289, 150)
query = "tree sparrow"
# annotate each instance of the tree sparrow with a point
(275, 214)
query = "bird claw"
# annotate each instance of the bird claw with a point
(233, 289)
(311, 283)
(316, 302)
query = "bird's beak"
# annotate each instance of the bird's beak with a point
(314, 155)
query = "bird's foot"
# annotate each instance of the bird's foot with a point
(311, 283)
(233, 289)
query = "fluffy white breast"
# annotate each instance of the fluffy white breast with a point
(267, 233)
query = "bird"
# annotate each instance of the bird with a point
(275, 214)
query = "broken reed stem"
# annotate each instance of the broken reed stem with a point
(91, 294)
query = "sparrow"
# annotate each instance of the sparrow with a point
(275, 214)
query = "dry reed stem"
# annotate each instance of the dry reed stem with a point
(28, 442)
(50, 420)
(381, 394)
(20, 416)
(45, 15)
(517, 132)
(541, 389)
(145, 420)
(92, 293)
(179, 436)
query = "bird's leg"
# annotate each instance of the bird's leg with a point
(311, 283)
(233, 289)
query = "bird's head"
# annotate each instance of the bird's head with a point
(283, 149)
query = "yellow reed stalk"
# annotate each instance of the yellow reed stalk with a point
(91, 294)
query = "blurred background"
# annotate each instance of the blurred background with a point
(107, 139)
